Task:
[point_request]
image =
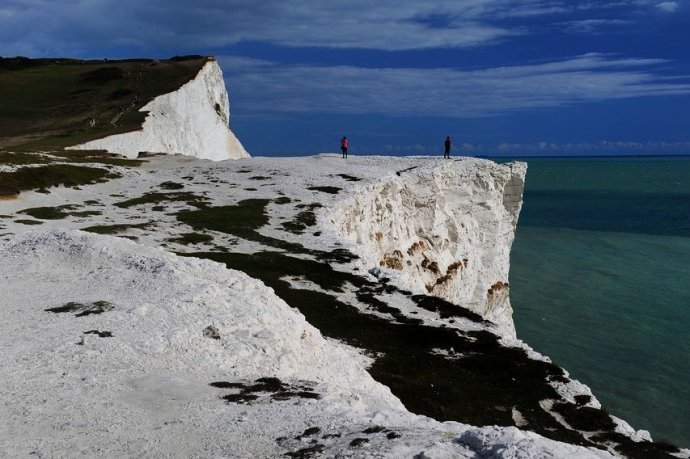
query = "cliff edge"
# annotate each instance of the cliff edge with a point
(445, 231)
(191, 121)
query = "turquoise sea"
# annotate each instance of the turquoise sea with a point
(600, 281)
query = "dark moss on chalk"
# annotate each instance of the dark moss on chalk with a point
(308, 433)
(349, 178)
(244, 219)
(374, 429)
(637, 450)
(300, 222)
(306, 453)
(29, 222)
(171, 186)
(325, 189)
(115, 229)
(269, 388)
(357, 442)
(191, 238)
(37, 178)
(100, 334)
(59, 212)
(157, 198)
(445, 309)
(83, 309)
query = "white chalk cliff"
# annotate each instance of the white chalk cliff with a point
(447, 231)
(191, 121)
(117, 348)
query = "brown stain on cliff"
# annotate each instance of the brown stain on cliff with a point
(454, 267)
(430, 265)
(451, 273)
(393, 260)
(498, 287)
(416, 247)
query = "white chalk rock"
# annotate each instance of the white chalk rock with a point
(191, 121)
(446, 230)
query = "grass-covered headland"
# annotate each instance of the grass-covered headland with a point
(51, 103)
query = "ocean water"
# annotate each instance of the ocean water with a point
(600, 282)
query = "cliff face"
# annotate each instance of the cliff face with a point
(192, 121)
(446, 230)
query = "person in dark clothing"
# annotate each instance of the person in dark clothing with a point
(343, 146)
(447, 144)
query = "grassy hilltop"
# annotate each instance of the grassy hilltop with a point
(48, 104)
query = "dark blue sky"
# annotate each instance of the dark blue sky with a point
(509, 77)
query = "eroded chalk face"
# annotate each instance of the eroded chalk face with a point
(447, 230)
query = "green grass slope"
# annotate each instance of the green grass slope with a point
(47, 104)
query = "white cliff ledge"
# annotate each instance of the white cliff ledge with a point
(446, 230)
(191, 121)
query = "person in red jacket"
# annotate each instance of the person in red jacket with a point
(343, 146)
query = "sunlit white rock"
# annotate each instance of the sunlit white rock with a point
(446, 230)
(191, 121)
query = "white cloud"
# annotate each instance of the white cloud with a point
(385, 24)
(668, 7)
(270, 88)
(58, 26)
(588, 26)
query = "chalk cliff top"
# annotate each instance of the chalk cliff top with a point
(179, 106)
(305, 316)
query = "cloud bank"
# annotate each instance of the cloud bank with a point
(262, 87)
(668, 7)
(59, 27)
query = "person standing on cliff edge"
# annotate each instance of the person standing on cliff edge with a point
(343, 146)
(446, 147)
